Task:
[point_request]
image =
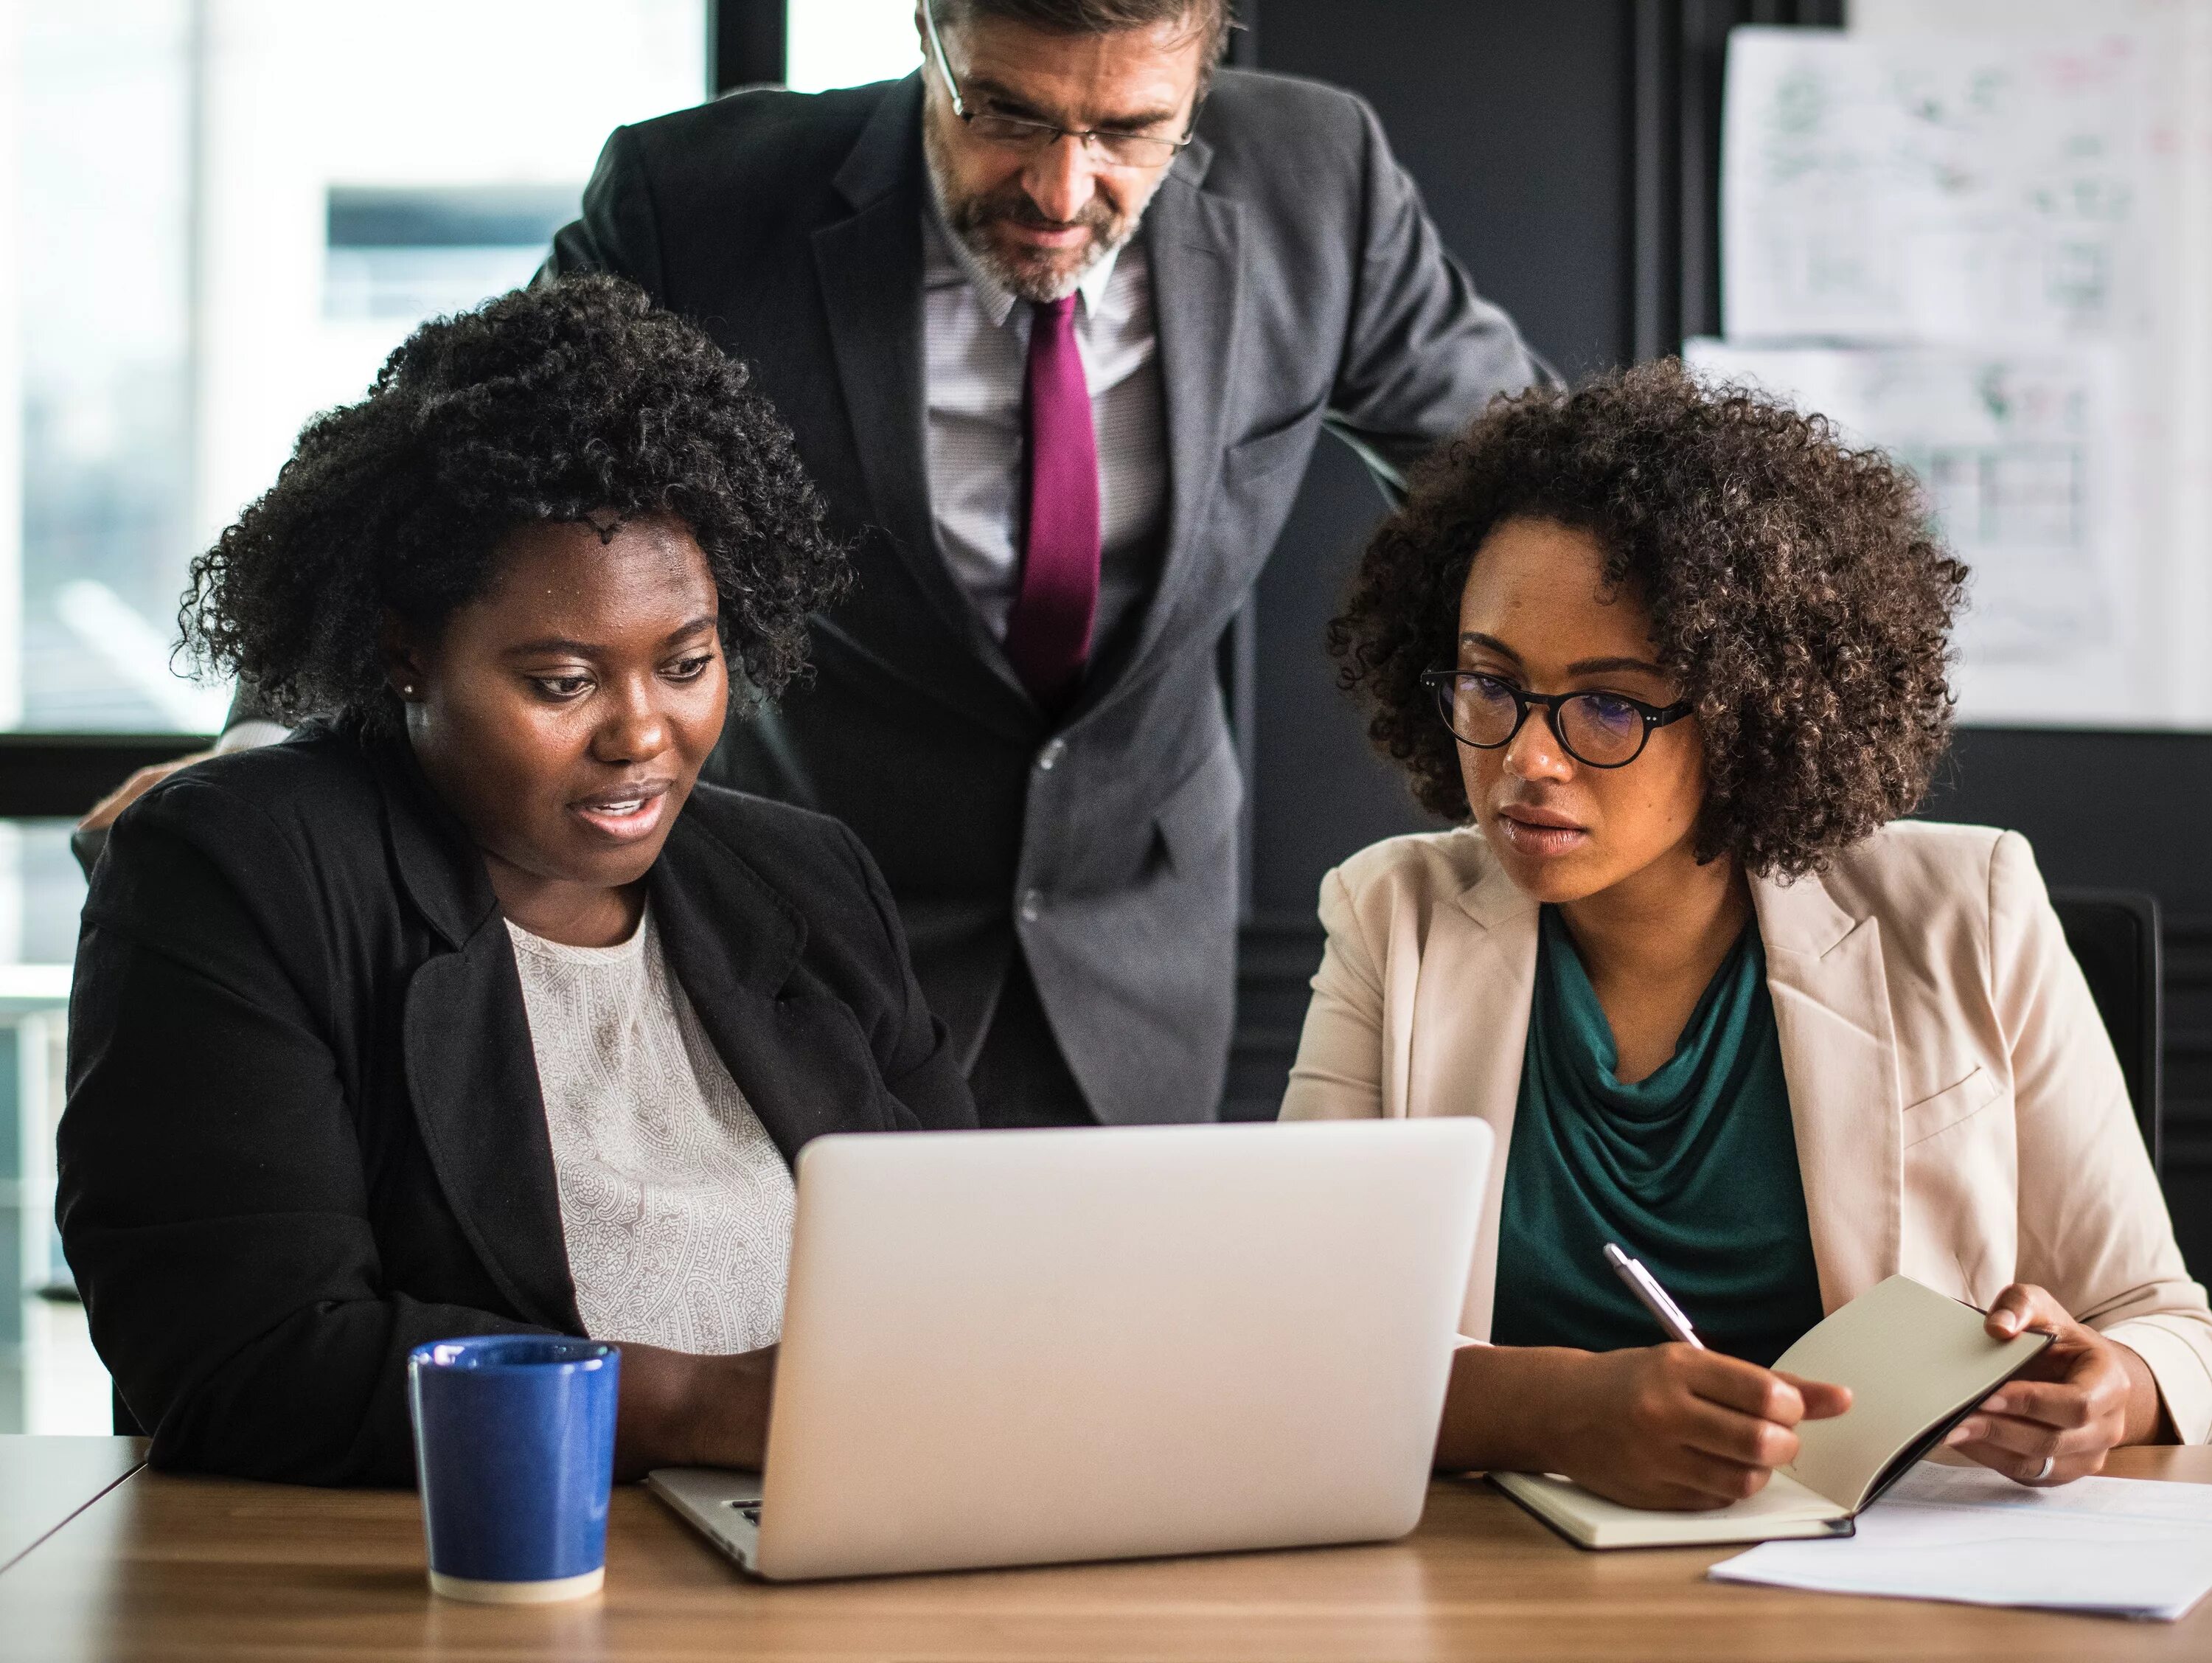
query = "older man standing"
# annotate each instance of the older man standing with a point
(1056, 320)
(1056, 324)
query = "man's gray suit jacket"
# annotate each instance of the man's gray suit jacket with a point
(1298, 282)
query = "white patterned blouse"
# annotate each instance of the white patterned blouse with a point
(676, 1203)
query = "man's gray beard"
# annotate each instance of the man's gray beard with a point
(1022, 282)
(1026, 281)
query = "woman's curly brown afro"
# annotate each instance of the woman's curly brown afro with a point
(1796, 591)
(572, 401)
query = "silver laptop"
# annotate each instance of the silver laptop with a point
(1030, 1347)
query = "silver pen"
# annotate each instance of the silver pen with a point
(1642, 1283)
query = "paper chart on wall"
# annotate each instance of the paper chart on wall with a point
(1990, 253)
(1942, 189)
(2015, 452)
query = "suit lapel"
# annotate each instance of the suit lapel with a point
(1825, 976)
(472, 1074)
(1477, 976)
(1195, 242)
(473, 1078)
(733, 942)
(870, 266)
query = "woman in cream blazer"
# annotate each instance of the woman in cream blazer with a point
(1762, 694)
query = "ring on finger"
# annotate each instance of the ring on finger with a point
(2044, 1471)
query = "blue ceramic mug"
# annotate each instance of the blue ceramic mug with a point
(514, 1444)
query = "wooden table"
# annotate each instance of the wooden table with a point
(170, 1568)
(46, 1482)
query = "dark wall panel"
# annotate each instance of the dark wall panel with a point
(2110, 810)
(2122, 811)
(744, 43)
(1514, 120)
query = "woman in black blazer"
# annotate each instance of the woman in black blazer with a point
(305, 1131)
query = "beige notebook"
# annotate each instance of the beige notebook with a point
(1916, 1362)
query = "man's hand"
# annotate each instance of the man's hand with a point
(105, 810)
(2058, 1418)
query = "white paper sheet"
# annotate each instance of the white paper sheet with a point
(2016, 452)
(1946, 189)
(2113, 1546)
(2011, 181)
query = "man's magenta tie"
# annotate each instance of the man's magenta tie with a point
(1048, 632)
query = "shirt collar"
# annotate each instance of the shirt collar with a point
(994, 297)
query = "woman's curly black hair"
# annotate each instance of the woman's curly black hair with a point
(567, 402)
(1797, 594)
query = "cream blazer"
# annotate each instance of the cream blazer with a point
(1959, 1114)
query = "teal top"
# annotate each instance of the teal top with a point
(1693, 1170)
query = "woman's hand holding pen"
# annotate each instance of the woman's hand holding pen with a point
(2058, 1418)
(1669, 1426)
(1679, 1426)
(1660, 1426)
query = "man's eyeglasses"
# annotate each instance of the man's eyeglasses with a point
(1013, 133)
(1600, 730)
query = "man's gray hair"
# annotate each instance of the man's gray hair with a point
(1097, 16)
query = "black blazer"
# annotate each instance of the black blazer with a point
(304, 1132)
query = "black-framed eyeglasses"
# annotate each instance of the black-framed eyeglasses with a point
(1015, 133)
(1600, 730)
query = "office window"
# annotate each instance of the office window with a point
(848, 43)
(224, 213)
(217, 217)
(95, 342)
(414, 252)
(51, 1379)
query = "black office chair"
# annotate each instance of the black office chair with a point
(2115, 939)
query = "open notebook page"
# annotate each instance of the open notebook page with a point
(1913, 1359)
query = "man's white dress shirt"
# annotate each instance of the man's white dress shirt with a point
(976, 360)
